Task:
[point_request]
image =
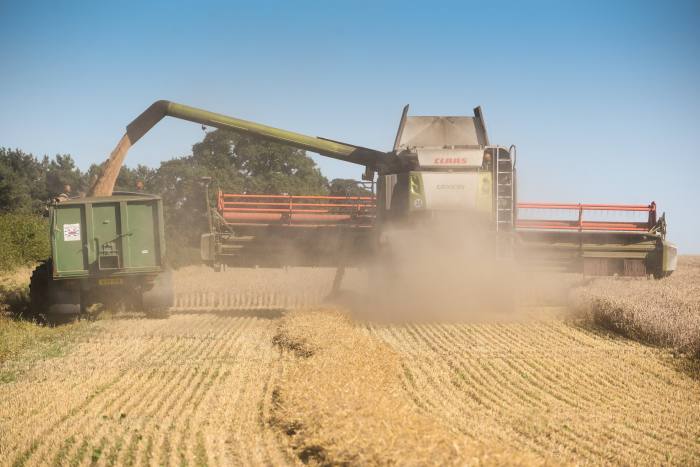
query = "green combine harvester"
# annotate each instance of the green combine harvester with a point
(440, 168)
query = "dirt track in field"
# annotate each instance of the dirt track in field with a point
(197, 388)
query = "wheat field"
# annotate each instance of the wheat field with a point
(227, 380)
(664, 312)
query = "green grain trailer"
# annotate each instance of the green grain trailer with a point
(108, 250)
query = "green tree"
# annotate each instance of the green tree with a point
(243, 163)
(62, 171)
(22, 181)
(347, 187)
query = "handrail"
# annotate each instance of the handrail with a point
(296, 210)
(590, 207)
(588, 225)
(244, 195)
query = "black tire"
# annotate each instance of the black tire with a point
(39, 292)
(52, 301)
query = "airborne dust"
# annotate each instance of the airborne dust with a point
(446, 270)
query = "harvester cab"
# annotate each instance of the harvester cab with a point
(456, 178)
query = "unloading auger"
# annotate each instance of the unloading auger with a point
(440, 167)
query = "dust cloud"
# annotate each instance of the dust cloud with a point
(447, 270)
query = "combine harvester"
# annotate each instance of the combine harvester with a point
(441, 167)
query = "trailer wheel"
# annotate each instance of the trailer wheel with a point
(157, 300)
(52, 301)
(38, 291)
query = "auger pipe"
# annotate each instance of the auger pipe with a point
(103, 186)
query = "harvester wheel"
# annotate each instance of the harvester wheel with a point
(661, 274)
(51, 301)
(156, 301)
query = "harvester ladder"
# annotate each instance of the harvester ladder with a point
(505, 202)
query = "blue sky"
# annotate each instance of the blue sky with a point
(602, 98)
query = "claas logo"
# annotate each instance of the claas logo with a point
(450, 161)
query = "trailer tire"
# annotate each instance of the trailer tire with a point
(52, 301)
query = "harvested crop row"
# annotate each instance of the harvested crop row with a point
(150, 391)
(200, 288)
(552, 389)
(340, 401)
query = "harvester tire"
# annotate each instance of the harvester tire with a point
(158, 300)
(51, 301)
